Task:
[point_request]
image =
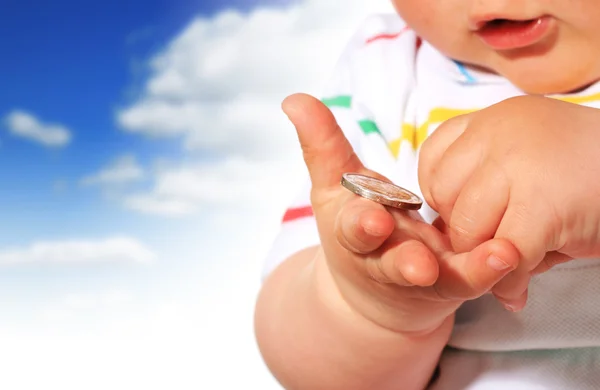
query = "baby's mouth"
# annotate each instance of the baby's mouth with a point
(507, 34)
(496, 24)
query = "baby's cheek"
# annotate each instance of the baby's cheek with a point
(439, 22)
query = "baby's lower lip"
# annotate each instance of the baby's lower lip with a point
(507, 35)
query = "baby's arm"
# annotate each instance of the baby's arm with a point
(371, 307)
(311, 338)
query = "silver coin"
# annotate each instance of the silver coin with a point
(380, 191)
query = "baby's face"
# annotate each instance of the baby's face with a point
(542, 46)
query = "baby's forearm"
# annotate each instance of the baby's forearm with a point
(311, 339)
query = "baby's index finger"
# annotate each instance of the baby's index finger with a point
(327, 153)
(432, 154)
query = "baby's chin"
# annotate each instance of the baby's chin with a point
(549, 82)
(552, 72)
(555, 72)
(543, 82)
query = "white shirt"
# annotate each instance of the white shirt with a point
(389, 92)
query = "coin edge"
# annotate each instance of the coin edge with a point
(373, 196)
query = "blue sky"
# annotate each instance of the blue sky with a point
(133, 203)
(73, 63)
(76, 64)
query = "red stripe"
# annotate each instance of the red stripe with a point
(387, 36)
(297, 213)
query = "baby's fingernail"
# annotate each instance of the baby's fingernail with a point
(496, 263)
(515, 305)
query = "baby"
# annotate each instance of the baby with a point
(487, 109)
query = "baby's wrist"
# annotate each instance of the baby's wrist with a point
(333, 302)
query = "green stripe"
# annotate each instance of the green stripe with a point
(338, 101)
(369, 127)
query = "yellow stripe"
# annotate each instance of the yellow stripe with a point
(395, 147)
(416, 137)
(408, 133)
(578, 99)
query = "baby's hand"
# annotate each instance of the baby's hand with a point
(388, 265)
(526, 170)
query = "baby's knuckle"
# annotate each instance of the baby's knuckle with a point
(324, 199)
(464, 228)
(439, 293)
(438, 195)
(375, 271)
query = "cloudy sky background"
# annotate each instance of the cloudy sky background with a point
(145, 164)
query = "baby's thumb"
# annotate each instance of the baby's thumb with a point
(327, 152)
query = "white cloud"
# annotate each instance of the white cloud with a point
(82, 304)
(153, 203)
(248, 125)
(110, 250)
(232, 183)
(25, 125)
(218, 86)
(122, 170)
(92, 301)
(219, 83)
(183, 340)
(174, 346)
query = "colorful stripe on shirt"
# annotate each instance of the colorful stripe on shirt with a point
(367, 126)
(342, 101)
(469, 78)
(295, 213)
(386, 36)
(416, 135)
